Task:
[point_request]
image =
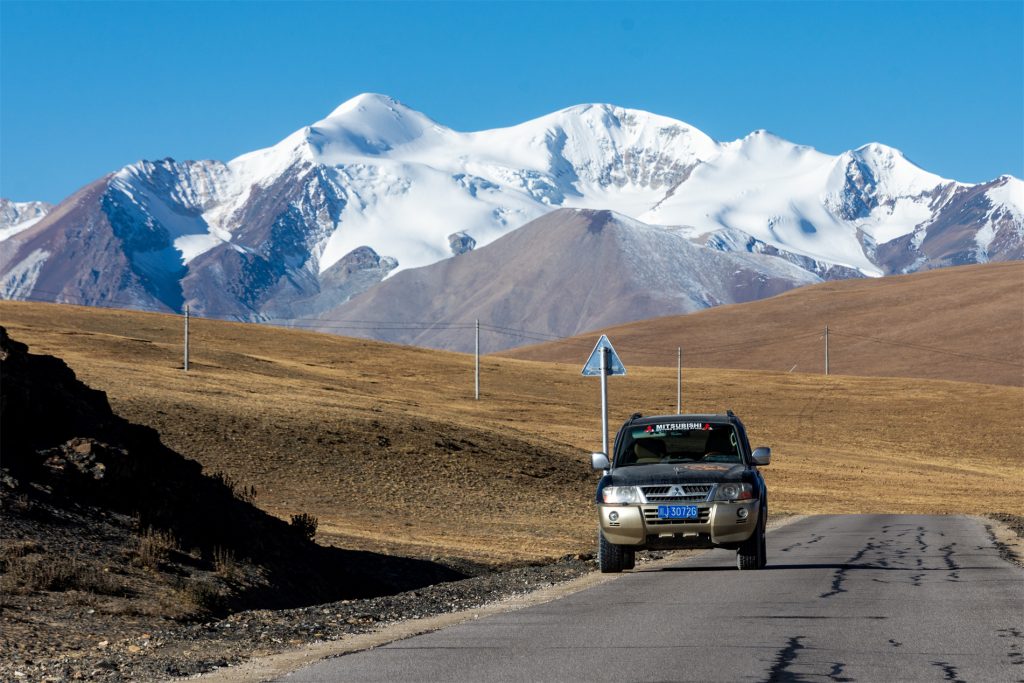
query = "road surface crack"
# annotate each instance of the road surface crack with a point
(779, 673)
(950, 672)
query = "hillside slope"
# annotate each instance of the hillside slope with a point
(568, 271)
(964, 323)
(386, 445)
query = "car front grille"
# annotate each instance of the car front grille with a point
(678, 493)
(651, 517)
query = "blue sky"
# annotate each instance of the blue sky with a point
(88, 87)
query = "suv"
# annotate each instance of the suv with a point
(681, 481)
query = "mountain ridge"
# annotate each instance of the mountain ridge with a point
(376, 188)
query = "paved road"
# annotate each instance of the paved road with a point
(844, 598)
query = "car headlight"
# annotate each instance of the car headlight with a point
(735, 491)
(620, 494)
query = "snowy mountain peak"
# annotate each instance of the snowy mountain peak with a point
(620, 125)
(376, 186)
(365, 101)
(888, 170)
(17, 217)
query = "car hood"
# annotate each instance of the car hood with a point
(679, 473)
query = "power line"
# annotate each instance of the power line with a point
(932, 349)
(529, 335)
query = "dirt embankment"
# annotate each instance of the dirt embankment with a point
(109, 537)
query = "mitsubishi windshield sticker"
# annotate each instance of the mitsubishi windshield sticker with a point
(679, 426)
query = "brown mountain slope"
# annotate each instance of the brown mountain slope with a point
(964, 323)
(568, 271)
(386, 445)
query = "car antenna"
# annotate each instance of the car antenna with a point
(728, 411)
(635, 416)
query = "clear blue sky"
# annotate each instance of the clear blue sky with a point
(88, 87)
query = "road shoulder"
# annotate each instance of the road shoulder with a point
(1006, 532)
(281, 664)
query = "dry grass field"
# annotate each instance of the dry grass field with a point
(964, 324)
(386, 446)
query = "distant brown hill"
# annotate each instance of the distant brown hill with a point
(568, 271)
(964, 323)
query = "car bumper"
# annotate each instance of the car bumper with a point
(717, 523)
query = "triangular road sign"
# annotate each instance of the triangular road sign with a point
(593, 365)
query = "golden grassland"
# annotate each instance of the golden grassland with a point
(387, 447)
(964, 323)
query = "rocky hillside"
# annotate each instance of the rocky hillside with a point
(107, 528)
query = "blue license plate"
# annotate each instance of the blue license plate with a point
(677, 512)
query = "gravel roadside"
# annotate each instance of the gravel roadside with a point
(1008, 535)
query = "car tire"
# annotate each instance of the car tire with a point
(764, 539)
(753, 553)
(628, 559)
(610, 557)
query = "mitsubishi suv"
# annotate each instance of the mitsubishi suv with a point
(681, 481)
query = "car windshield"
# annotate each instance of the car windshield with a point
(680, 442)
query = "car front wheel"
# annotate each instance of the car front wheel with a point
(753, 554)
(611, 558)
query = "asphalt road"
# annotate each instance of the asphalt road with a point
(844, 598)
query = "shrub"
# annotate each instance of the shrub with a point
(224, 562)
(155, 547)
(246, 494)
(59, 574)
(305, 524)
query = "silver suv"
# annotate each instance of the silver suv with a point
(681, 481)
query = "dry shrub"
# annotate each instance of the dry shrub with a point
(224, 562)
(12, 550)
(155, 547)
(305, 524)
(246, 494)
(58, 573)
(197, 597)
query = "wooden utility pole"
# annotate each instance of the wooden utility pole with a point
(186, 338)
(826, 349)
(679, 381)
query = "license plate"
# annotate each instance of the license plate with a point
(677, 512)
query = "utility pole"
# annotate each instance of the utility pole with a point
(477, 393)
(679, 381)
(186, 338)
(826, 349)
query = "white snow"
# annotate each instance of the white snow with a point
(17, 217)
(408, 182)
(1007, 200)
(12, 230)
(21, 279)
(1010, 196)
(191, 246)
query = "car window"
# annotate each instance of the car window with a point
(680, 443)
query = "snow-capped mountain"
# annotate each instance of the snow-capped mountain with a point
(17, 217)
(375, 187)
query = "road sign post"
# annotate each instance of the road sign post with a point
(603, 361)
(604, 401)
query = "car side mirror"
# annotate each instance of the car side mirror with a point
(599, 461)
(762, 456)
